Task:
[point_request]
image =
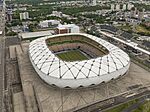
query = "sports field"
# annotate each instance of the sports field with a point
(74, 55)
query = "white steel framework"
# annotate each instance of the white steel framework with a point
(75, 74)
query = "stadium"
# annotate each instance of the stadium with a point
(76, 60)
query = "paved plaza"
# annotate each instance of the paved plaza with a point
(52, 99)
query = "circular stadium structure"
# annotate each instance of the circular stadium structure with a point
(77, 60)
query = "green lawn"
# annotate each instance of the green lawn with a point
(73, 55)
(144, 107)
(140, 28)
(125, 27)
(123, 106)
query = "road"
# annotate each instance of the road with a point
(0, 53)
(142, 97)
(1, 72)
(102, 106)
(2, 57)
(136, 105)
(126, 43)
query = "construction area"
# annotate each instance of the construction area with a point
(28, 93)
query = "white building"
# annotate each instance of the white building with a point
(56, 13)
(124, 7)
(1, 32)
(9, 14)
(24, 15)
(147, 38)
(69, 28)
(112, 7)
(129, 6)
(133, 12)
(49, 23)
(117, 7)
(93, 2)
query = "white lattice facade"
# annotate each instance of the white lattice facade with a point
(74, 74)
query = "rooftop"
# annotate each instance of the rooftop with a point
(66, 26)
(35, 34)
(1, 32)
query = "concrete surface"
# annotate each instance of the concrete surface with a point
(18, 102)
(53, 99)
(12, 52)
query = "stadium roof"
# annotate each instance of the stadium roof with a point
(49, 65)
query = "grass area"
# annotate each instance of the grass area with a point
(73, 55)
(125, 27)
(121, 107)
(144, 107)
(75, 10)
(140, 28)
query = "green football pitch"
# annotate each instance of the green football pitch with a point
(74, 55)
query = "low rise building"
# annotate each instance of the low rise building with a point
(124, 7)
(94, 2)
(24, 16)
(56, 13)
(34, 35)
(117, 7)
(69, 28)
(49, 23)
(112, 6)
(130, 6)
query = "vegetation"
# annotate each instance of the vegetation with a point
(16, 22)
(73, 55)
(126, 27)
(144, 107)
(76, 10)
(40, 10)
(121, 107)
(97, 18)
(141, 6)
(141, 29)
(32, 27)
(34, 2)
(11, 33)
